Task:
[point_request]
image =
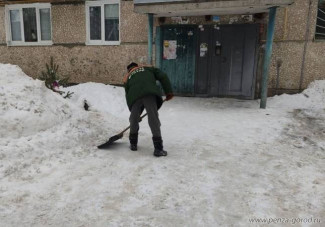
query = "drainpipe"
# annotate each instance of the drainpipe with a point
(278, 66)
(267, 56)
(150, 37)
(305, 48)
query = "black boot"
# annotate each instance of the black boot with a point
(133, 141)
(158, 144)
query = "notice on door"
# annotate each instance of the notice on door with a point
(203, 49)
(170, 47)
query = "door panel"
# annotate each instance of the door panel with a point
(232, 39)
(180, 70)
(229, 68)
(215, 61)
(203, 52)
(250, 60)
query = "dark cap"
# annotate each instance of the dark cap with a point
(132, 65)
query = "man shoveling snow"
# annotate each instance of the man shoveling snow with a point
(141, 92)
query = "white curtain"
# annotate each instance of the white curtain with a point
(30, 26)
(112, 22)
(15, 25)
(111, 11)
(45, 17)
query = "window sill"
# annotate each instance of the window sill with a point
(319, 40)
(50, 43)
(113, 43)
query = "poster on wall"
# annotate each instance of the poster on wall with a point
(170, 47)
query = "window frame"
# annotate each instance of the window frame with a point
(319, 36)
(20, 7)
(102, 8)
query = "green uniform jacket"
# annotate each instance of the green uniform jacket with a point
(141, 81)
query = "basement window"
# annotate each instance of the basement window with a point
(103, 22)
(320, 25)
(28, 24)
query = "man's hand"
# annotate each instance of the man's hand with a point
(169, 96)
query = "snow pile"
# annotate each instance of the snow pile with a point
(27, 106)
(111, 99)
(100, 97)
(311, 98)
(44, 118)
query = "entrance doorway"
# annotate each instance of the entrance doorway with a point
(226, 60)
(210, 60)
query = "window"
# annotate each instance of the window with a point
(103, 21)
(29, 24)
(320, 25)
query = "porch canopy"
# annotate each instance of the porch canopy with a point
(170, 8)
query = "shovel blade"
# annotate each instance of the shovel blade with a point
(110, 141)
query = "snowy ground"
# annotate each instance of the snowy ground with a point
(228, 160)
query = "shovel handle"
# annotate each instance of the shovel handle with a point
(143, 116)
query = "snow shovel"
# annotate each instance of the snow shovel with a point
(119, 136)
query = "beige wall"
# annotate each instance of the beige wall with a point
(315, 63)
(291, 55)
(68, 23)
(289, 45)
(106, 64)
(2, 26)
(82, 63)
(133, 26)
(295, 27)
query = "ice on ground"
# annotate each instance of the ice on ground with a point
(229, 162)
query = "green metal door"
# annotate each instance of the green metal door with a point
(177, 57)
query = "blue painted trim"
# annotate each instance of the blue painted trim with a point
(158, 52)
(150, 37)
(267, 56)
